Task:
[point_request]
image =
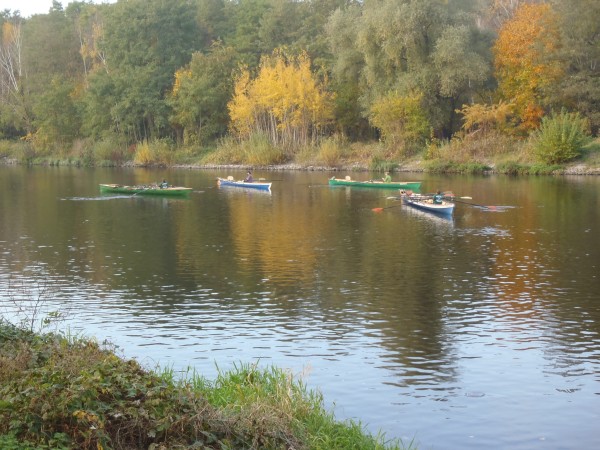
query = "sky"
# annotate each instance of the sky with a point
(30, 7)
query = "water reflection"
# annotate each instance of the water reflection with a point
(411, 322)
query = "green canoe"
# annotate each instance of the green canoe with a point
(144, 190)
(409, 185)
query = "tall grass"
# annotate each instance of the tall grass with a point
(479, 148)
(332, 151)
(257, 150)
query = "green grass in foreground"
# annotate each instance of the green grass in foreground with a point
(66, 393)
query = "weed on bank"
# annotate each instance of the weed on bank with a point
(60, 392)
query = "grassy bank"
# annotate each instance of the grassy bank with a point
(491, 154)
(62, 392)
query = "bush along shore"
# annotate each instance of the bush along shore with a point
(494, 153)
(63, 392)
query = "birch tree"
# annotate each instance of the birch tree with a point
(12, 91)
(285, 102)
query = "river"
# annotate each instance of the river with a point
(478, 331)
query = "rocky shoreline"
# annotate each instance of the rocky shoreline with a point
(576, 169)
(417, 166)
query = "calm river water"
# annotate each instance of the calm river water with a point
(482, 331)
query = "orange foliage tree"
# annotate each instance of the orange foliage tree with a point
(525, 61)
(485, 118)
(285, 102)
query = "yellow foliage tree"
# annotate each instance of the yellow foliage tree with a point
(485, 117)
(285, 102)
(525, 60)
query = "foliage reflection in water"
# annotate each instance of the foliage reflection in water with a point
(477, 331)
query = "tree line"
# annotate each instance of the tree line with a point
(192, 72)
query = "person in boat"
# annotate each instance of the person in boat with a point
(248, 178)
(438, 198)
(387, 178)
(163, 184)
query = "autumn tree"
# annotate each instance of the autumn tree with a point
(525, 61)
(402, 120)
(89, 24)
(482, 118)
(285, 102)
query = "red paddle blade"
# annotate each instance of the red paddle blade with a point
(377, 209)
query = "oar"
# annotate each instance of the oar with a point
(387, 207)
(491, 207)
(449, 194)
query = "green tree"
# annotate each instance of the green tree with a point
(412, 45)
(213, 21)
(57, 116)
(402, 121)
(54, 72)
(580, 55)
(201, 92)
(144, 42)
(347, 71)
(246, 17)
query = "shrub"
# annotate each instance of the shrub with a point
(109, 149)
(560, 138)
(331, 151)
(511, 168)
(379, 164)
(143, 154)
(441, 166)
(163, 152)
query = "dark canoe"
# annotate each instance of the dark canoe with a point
(425, 203)
(408, 185)
(144, 190)
(261, 185)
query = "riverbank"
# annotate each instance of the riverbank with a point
(589, 164)
(415, 166)
(71, 393)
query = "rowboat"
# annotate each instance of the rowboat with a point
(230, 182)
(425, 203)
(144, 190)
(412, 185)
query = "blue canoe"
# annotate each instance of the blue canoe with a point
(425, 203)
(261, 185)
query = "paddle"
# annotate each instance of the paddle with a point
(491, 207)
(387, 207)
